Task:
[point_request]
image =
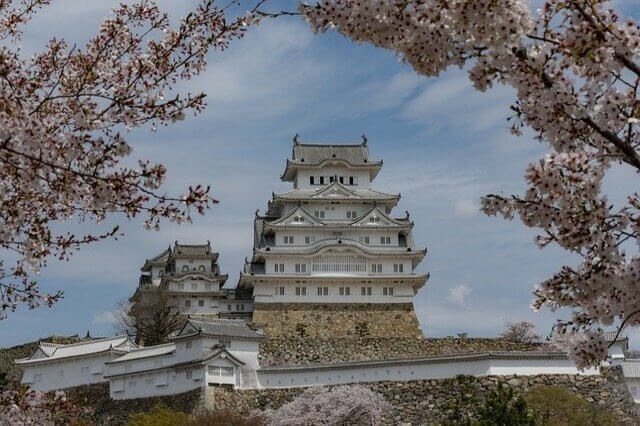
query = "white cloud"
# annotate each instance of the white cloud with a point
(458, 294)
(104, 318)
(465, 208)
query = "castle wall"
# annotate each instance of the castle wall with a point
(448, 401)
(337, 320)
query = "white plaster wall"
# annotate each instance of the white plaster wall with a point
(290, 267)
(424, 371)
(303, 181)
(193, 264)
(246, 351)
(72, 372)
(634, 388)
(267, 293)
(135, 385)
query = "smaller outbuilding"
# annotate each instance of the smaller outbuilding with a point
(209, 352)
(55, 366)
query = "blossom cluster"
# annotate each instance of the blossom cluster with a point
(575, 68)
(64, 117)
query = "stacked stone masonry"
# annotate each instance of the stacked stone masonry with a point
(337, 320)
(450, 401)
(314, 350)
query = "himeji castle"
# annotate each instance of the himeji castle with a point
(329, 255)
(325, 299)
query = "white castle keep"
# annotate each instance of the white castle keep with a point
(330, 261)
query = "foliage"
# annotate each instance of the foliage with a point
(62, 118)
(352, 405)
(226, 418)
(153, 316)
(520, 332)
(163, 416)
(555, 405)
(158, 416)
(575, 68)
(20, 405)
(463, 335)
(504, 408)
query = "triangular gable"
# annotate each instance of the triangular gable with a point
(335, 190)
(376, 217)
(39, 354)
(188, 329)
(126, 345)
(222, 356)
(298, 217)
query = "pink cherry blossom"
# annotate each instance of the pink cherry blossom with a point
(575, 67)
(64, 117)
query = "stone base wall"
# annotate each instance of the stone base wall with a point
(102, 410)
(451, 401)
(319, 350)
(337, 320)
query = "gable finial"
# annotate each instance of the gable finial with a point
(364, 140)
(407, 212)
(296, 139)
(257, 212)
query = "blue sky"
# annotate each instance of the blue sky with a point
(443, 147)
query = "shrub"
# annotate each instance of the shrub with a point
(555, 405)
(504, 408)
(159, 416)
(226, 418)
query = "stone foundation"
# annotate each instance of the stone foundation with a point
(451, 401)
(321, 350)
(337, 320)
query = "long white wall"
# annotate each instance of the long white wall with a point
(66, 373)
(274, 378)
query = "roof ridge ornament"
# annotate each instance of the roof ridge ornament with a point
(364, 140)
(296, 139)
(257, 212)
(407, 213)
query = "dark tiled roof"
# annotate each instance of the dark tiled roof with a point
(192, 249)
(224, 328)
(357, 155)
(435, 359)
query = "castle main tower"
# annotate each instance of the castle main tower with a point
(329, 259)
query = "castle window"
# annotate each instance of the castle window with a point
(376, 268)
(323, 291)
(374, 219)
(237, 307)
(319, 214)
(281, 291)
(330, 178)
(311, 180)
(321, 180)
(345, 291)
(387, 291)
(201, 268)
(353, 180)
(363, 291)
(288, 239)
(385, 240)
(351, 214)
(185, 268)
(200, 302)
(341, 179)
(187, 303)
(228, 307)
(301, 268)
(398, 267)
(310, 239)
(279, 267)
(364, 240)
